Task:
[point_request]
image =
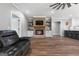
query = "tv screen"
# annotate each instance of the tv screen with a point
(39, 22)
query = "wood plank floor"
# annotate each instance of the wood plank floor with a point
(55, 46)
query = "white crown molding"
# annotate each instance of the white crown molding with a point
(14, 5)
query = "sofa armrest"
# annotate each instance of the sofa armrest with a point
(24, 38)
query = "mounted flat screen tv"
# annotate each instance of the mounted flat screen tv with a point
(39, 22)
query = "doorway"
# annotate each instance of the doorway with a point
(57, 28)
(15, 25)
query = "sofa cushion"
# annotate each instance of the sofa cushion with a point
(8, 38)
(0, 44)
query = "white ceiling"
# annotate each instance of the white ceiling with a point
(35, 9)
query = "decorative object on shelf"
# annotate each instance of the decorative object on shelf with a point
(58, 6)
(30, 24)
(48, 24)
(67, 23)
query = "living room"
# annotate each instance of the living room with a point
(44, 29)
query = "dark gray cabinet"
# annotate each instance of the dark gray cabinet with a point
(71, 34)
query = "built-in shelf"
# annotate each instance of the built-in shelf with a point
(30, 24)
(46, 25)
(39, 27)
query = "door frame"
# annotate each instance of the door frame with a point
(61, 33)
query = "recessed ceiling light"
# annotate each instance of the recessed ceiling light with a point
(52, 11)
(27, 12)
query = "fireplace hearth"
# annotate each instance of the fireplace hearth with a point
(39, 32)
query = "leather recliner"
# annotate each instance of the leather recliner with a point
(12, 45)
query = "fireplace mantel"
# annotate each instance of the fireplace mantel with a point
(39, 26)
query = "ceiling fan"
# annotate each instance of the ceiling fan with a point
(58, 6)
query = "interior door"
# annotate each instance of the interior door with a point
(57, 28)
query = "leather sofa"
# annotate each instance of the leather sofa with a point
(12, 45)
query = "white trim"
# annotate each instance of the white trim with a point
(61, 26)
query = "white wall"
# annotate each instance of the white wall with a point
(5, 9)
(5, 17)
(75, 24)
(67, 12)
(23, 26)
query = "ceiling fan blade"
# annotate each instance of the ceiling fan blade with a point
(75, 3)
(56, 6)
(53, 4)
(68, 4)
(63, 6)
(59, 6)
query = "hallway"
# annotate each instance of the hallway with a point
(55, 46)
